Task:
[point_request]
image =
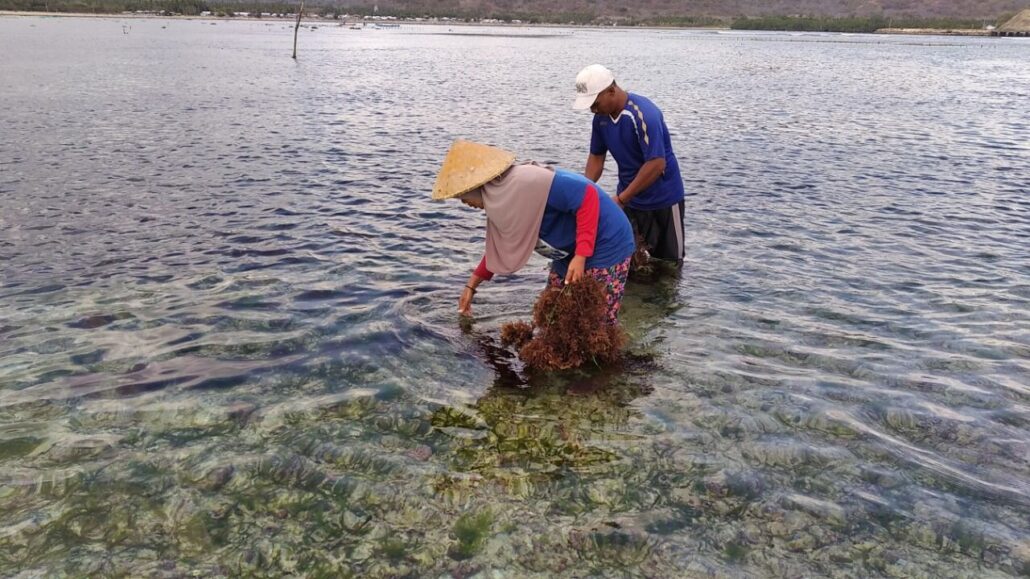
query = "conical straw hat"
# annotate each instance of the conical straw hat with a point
(469, 165)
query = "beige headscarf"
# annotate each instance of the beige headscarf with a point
(514, 204)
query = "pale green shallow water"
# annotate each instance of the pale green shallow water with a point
(228, 341)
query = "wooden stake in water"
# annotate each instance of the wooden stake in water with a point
(296, 28)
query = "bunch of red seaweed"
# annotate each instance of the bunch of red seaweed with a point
(640, 262)
(569, 329)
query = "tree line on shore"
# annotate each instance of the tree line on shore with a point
(856, 24)
(230, 9)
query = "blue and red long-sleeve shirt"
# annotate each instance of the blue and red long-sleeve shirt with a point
(579, 219)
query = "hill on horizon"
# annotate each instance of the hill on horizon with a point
(649, 9)
(669, 12)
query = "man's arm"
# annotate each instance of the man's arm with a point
(648, 174)
(595, 166)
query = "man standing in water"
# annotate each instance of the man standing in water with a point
(650, 188)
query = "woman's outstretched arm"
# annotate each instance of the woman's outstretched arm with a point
(478, 276)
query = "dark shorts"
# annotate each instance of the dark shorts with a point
(661, 229)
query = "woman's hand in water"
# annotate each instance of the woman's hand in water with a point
(465, 303)
(576, 269)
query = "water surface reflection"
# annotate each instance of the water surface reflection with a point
(228, 339)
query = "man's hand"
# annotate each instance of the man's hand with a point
(618, 201)
(576, 269)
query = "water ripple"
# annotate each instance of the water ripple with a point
(227, 309)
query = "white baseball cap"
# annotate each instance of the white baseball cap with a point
(589, 83)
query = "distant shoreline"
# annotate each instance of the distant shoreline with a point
(935, 31)
(341, 21)
(311, 19)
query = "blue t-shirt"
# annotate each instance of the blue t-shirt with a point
(635, 137)
(614, 242)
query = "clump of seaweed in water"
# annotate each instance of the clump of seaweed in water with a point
(569, 329)
(516, 333)
(640, 262)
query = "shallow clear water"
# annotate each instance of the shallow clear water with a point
(228, 331)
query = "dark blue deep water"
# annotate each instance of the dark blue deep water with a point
(228, 332)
